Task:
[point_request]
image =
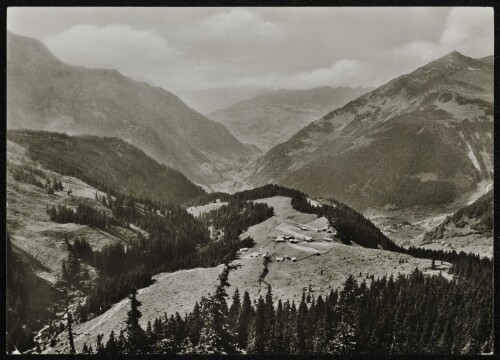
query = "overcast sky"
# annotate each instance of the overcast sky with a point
(190, 49)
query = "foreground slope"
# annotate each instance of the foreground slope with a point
(46, 94)
(422, 138)
(107, 163)
(272, 118)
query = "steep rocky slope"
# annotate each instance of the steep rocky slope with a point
(46, 94)
(422, 138)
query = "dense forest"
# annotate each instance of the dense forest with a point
(83, 215)
(413, 314)
(351, 226)
(106, 163)
(236, 217)
(252, 194)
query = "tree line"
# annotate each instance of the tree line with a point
(84, 215)
(265, 191)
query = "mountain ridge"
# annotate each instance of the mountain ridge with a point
(108, 163)
(46, 94)
(270, 118)
(444, 107)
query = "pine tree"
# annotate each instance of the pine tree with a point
(120, 344)
(72, 350)
(256, 337)
(270, 323)
(86, 350)
(135, 336)
(234, 314)
(111, 345)
(301, 327)
(214, 336)
(194, 325)
(99, 347)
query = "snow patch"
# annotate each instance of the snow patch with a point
(482, 188)
(471, 155)
(313, 202)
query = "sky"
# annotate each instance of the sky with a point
(195, 50)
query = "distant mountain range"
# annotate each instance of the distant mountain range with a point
(273, 117)
(207, 101)
(46, 94)
(421, 138)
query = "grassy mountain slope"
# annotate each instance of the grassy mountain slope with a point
(272, 118)
(422, 138)
(107, 162)
(46, 94)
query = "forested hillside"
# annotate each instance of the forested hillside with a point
(106, 163)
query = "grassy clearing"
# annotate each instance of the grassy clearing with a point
(198, 210)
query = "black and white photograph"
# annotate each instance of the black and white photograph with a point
(292, 180)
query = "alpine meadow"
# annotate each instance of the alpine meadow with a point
(250, 181)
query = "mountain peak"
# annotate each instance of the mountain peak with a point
(453, 57)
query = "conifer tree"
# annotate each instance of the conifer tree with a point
(244, 321)
(120, 343)
(86, 350)
(234, 314)
(256, 337)
(215, 337)
(135, 336)
(99, 347)
(111, 345)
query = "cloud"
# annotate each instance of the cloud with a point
(417, 51)
(111, 46)
(237, 22)
(469, 30)
(342, 72)
(192, 49)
